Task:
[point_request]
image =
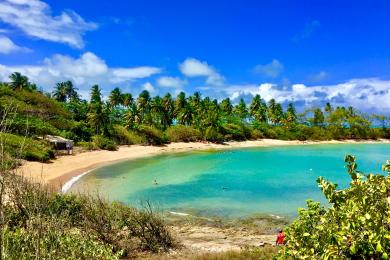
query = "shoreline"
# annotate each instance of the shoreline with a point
(64, 171)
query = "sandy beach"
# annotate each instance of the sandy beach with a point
(64, 168)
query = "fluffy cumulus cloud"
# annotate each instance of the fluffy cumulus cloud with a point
(84, 71)
(171, 82)
(35, 19)
(370, 94)
(272, 69)
(195, 68)
(8, 46)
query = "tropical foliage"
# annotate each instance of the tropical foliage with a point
(122, 118)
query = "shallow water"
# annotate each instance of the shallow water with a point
(232, 183)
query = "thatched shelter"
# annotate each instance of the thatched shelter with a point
(59, 143)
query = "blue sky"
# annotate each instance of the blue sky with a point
(307, 52)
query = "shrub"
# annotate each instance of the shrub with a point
(234, 131)
(53, 243)
(104, 143)
(90, 146)
(26, 148)
(152, 135)
(181, 133)
(355, 226)
(211, 134)
(40, 223)
(124, 136)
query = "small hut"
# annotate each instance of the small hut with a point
(60, 144)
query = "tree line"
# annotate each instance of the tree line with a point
(125, 118)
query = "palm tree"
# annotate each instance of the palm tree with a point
(71, 92)
(60, 92)
(98, 114)
(127, 99)
(157, 111)
(168, 110)
(116, 97)
(275, 112)
(226, 106)
(258, 109)
(96, 94)
(185, 115)
(143, 102)
(180, 103)
(241, 110)
(65, 91)
(19, 81)
(291, 115)
(98, 117)
(318, 119)
(132, 117)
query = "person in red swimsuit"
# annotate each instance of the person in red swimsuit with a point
(280, 238)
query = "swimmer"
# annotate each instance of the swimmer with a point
(155, 182)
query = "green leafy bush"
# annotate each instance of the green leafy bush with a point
(181, 133)
(40, 223)
(53, 243)
(356, 225)
(235, 131)
(124, 136)
(211, 134)
(152, 135)
(26, 148)
(104, 143)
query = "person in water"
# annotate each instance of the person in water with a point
(280, 238)
(155, 182)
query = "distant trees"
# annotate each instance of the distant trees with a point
(214, 120)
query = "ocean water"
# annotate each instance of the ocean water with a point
(232, 183)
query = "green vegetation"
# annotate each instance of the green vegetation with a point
(39, 223)
(124, 119)
(356, 225)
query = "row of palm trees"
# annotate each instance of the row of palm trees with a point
(194, 110)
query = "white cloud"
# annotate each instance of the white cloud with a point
(122, 74)
(195, 68)
(149, 87)
(34, 18)
(369, 94)
(171, 82)
(84, 71)
(7, 46)
(272, 69)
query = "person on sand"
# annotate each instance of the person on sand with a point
(280, 238)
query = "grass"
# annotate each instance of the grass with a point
(37, 222)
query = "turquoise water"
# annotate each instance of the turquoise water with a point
(232, 183)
